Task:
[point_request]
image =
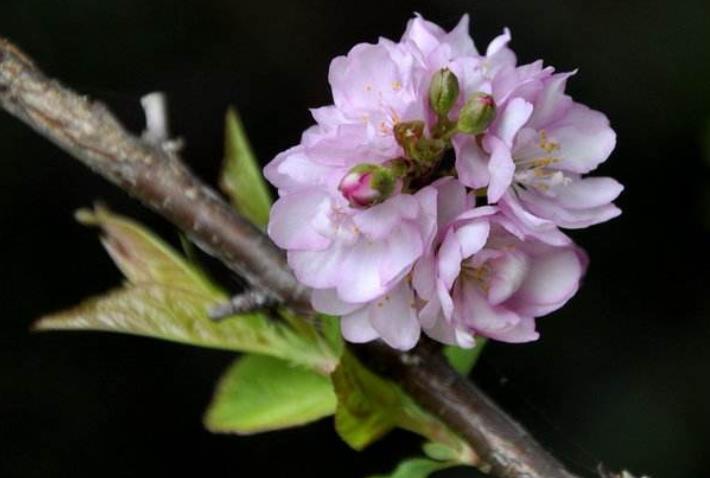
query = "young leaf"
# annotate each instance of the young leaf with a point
(417, 468)
(143, 257)
(259, 393)
(370, 406)
(167, 298)
(180, 315)
(241, 175)
(367, 404)
(463, 360)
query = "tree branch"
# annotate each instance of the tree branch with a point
(154, 175)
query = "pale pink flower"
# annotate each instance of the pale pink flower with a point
(533, 157)
(395, 256)
(360, 253)
(485, 275)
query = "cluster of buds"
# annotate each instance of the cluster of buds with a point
(368, 184)
(477, 113)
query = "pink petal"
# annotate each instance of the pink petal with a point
(523, 331)
(328, 302)
(499, 42)
(356, 327)
(589, 193)
(449, 259)
(553, 278)
(471, 162)
(477, 313)
(552, 210)
(509, 273)
(472, 236)
(395, 318)
(426, 35)
(542, 229)
(452, 200)
(424, 276)
(511, 119)
(291, 220)
(585, 139)
(501, 169)
(460, 39)
(359, 272)
(377, 222)
(319, 269)
(552, 103)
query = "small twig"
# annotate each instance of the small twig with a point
(155, 108)
(249, 301)
(157, 119)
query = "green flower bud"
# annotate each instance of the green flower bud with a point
(477, 114)
(443, 91)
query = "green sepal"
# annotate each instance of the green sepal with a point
(463, 360)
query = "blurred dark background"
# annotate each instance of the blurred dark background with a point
(620, 375)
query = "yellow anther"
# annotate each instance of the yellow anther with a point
(547, 145)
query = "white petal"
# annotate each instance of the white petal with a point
(356, 327)
(395, 318)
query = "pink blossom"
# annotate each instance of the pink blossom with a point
(486, 276)
(533, 157)
(361, 253)
(395, 251)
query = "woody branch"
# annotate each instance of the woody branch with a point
(157, 177)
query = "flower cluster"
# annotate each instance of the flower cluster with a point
(430, 195)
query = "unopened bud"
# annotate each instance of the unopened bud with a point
(443, 91)
(368, 184)
(477, 114)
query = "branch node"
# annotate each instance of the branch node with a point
(251, 300)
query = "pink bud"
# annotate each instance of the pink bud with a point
(367, 184)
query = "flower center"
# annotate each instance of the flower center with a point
(537, 170)
(479, 274)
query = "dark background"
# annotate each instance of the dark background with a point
(620, 375)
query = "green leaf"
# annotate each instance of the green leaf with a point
(180, 315)
(241, 177)
(142, 256)
(417, 468)
(439, 451)
(370, 406)
(167, 298)
(463, 360)
(260, 393)
(367, 404)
